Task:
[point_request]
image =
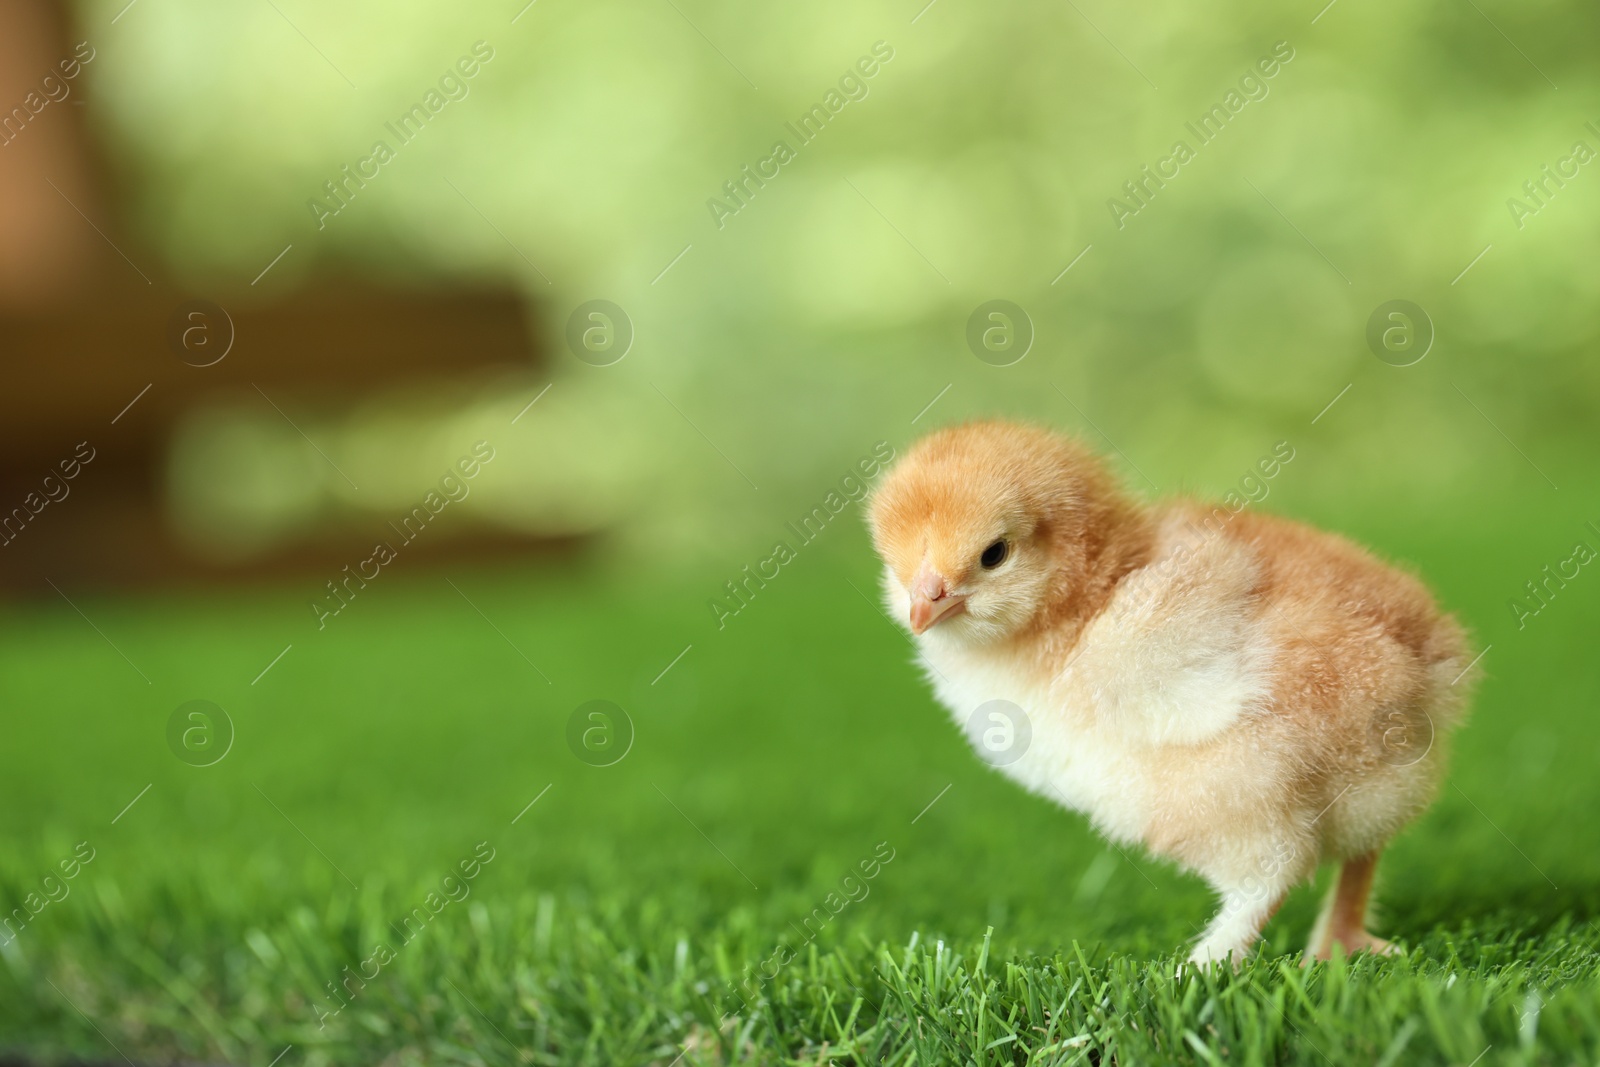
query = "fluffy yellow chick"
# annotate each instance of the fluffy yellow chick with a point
(1248, 698)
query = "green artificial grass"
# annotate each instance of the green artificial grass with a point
(797, 861)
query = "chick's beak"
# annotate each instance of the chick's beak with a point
(931, 599)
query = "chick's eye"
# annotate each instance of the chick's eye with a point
(994, 555)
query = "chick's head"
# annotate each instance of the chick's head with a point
(986, 528)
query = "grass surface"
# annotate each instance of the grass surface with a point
(620, 914)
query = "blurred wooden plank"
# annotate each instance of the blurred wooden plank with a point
(69, 372)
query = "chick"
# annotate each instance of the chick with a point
(1240, 694)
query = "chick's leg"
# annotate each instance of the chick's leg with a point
(1237, 926)
(1344, 917)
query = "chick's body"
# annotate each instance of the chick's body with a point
(1247, 698)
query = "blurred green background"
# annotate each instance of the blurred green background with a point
(769, 354)
(827, 313)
